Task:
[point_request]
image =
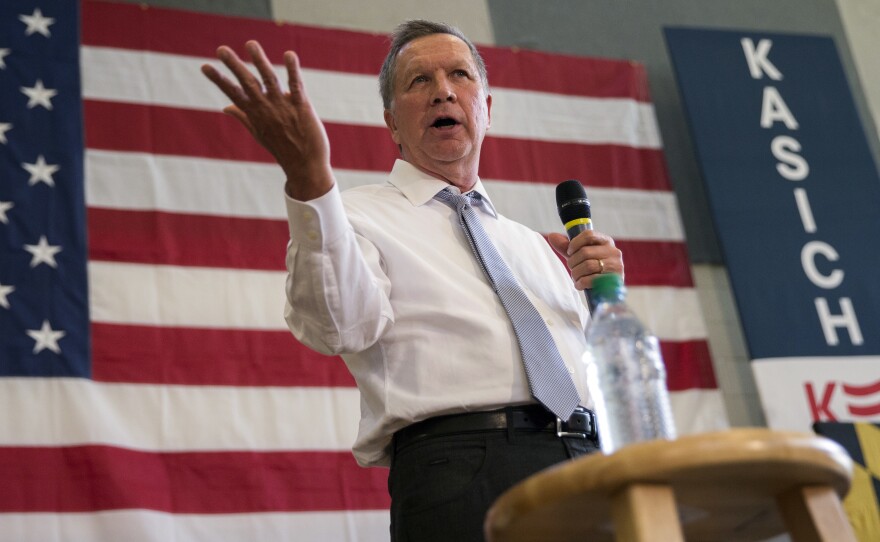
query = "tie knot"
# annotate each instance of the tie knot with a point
(459, 200)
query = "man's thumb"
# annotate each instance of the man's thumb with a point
(559, 243)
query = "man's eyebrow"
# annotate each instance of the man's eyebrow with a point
(412, 67)
(417, 67)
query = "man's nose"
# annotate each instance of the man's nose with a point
(443, 92)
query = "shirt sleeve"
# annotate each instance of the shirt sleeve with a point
(337, 294)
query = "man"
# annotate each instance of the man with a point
(393, 278)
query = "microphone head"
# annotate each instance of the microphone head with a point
(571, 201)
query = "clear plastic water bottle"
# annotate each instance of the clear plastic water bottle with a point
(625, 371)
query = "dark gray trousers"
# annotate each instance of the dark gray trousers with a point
(441, 487)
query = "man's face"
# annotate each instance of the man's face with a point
(439, 108)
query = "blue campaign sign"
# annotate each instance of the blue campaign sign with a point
(793, 188)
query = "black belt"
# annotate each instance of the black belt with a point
(581, 424)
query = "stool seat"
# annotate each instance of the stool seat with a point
(742, 484)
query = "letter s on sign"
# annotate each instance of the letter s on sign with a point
(791, 166)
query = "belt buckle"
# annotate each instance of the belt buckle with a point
(562, 428)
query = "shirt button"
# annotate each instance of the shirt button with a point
(312, 235)
(550, 322)
(570, 369)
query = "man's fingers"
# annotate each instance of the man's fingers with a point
(294, 77)
(234, 111)
(589, 238)
(249, 84)
(592, 253)
(264, 67)
(226, 85)
(590, 266)
(559, 242)
(590, 257)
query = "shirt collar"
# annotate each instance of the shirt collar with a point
(420, 188)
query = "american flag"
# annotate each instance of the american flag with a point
(149, 389)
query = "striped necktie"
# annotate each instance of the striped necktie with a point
(549, 380)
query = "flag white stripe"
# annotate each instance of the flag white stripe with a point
(74, 411)
(149, 78)
(698, 411)
(625, 214)
(152, 526)
(163, 418)
(552, 117)
(203, 186)
(126, 293)
(165, 295)
(671, 313)
(142, 181)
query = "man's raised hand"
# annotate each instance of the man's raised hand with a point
(284, 122)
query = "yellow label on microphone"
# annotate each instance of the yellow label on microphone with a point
(577, 222)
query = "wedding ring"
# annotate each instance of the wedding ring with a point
(601, 266)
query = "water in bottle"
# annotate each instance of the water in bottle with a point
(625, 371)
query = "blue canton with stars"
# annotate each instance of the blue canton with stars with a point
(44, 316)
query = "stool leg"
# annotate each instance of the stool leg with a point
(646, 512)
(814, 514)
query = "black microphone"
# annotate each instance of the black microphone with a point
(574, 210)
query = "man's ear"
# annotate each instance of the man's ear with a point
(392, 126)
(489, 110)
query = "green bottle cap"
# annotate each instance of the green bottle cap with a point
(608, 285)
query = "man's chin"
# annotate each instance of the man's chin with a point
(449, 151)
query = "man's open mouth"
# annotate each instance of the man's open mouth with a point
(444, 122)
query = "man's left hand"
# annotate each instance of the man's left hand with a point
(588, 255)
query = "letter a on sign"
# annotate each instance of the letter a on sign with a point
(773, 109)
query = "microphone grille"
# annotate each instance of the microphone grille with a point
(569, 190)
(571, 201)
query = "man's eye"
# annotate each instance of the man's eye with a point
(419, 79)
(460, 73)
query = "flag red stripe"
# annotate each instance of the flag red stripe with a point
(598, 165)
(157, 237)
(162, 238)
(171, 131)
(235, 357)
(133, 27)
(93, 478)
(656, 263)
(688, 365)
(219, 357)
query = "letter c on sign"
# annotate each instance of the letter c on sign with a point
(808, 261)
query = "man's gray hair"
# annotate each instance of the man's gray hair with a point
(413, 30)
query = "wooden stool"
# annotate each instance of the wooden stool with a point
(742, 484)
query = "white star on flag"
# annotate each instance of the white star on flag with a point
(4, 127)
(43, 252)
(5, 206)
(41, 171)
(46, 337)
(5, 290)
(39, 95)
(36, 23)
(4, 52)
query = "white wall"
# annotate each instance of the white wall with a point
(381, 16)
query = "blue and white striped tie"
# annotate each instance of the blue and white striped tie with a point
(549, 380)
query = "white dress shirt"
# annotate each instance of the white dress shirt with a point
(384, 276)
